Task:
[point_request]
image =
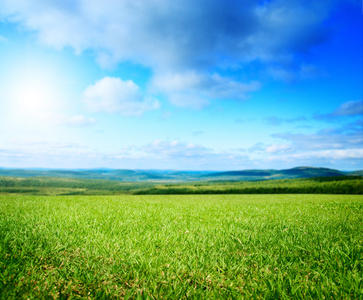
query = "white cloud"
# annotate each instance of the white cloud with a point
(40, 153)
(278, 148)
(342, 154)
(157, 154)
(291, 73)
(182, 155)
(178, 33)
(182, 37)
(350, 108)
(276, 121)
(188, 100)
(325, 139)
(3, 39)
(175, 149)
(79, 120)
(164, 154)
(192, 89)
(113, 95)
(332, 147)
(213, 85)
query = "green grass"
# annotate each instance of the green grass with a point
(179, 247)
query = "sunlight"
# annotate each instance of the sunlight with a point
(35, 92)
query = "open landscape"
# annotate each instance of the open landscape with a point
(175, 149)
(303, 180)
(73, 237)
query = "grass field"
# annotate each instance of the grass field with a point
(181, 246)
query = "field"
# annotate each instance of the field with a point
(181, 246)
(79, 186)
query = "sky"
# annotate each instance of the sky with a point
(182, 84)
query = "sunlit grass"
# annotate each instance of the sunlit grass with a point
(172, 247)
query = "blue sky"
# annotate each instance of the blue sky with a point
(188, 85)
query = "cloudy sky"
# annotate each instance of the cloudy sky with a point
(182, 84)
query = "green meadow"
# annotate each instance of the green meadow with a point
(301, 246)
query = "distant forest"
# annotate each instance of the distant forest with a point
(78, 186)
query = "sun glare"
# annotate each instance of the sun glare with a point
(35, 92)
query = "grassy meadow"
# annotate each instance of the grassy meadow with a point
(181, 246)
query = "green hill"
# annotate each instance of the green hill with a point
(178, 176)
(356, 173)
(299, 172)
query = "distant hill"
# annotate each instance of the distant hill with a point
(178, 176)
(109, 174)
(356, 173)
(299, 172)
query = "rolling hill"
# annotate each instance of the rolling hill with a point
(178, 176)
(298, 172)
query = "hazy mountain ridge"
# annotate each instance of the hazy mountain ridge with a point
(298, 172)
(174, 175)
